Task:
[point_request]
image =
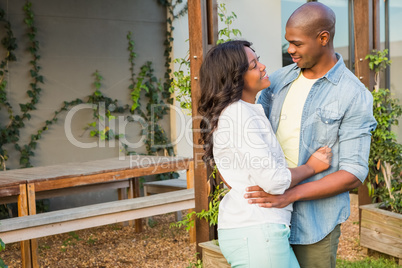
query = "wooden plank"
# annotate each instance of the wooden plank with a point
(67, 220)
(82, 189)
(8, 199)
(374, 208)
(95, 210)
(380, 242)
(58, 183)
(157, 189)
(382, 221)
(100, 220)
(212, 256)
(156, 164)
(9, 191)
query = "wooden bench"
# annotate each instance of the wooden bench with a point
(164, 186)
(43, 182)
(67, 220)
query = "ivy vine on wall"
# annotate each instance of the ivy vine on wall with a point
(151, 106)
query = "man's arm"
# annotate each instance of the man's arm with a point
(330, 185)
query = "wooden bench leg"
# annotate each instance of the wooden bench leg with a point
(23, 211)
(190, 184)
(122, 194)
(135, 185)
(32, 211)
(133, 192)
(192, 232)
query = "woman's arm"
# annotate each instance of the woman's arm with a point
(318, 162)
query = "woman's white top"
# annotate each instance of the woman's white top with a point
(247, 153)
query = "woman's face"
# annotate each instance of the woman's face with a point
(256, 77)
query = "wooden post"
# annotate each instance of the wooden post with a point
(363, 28)
(376, 24)
(198, 13)
(366, 29)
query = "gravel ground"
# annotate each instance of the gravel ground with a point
(160, 246)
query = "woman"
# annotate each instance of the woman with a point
(238, 138)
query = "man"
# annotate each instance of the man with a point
(316, 102)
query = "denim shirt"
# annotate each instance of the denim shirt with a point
(338, 112)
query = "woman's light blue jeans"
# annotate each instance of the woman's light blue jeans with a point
(264, 245)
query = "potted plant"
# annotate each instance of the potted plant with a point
(381, 222)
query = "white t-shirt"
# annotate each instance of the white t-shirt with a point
(247, 153)
(288, 132)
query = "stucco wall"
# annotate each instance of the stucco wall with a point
(77, 38)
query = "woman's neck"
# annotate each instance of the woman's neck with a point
(250, 98)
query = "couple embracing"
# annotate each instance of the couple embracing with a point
(291, 157)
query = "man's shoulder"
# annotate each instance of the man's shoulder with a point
(284, 71)
(278, 77)
(351, 83)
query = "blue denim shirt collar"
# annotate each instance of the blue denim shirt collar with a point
(333, 75)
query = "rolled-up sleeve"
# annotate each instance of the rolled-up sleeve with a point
(355, 135)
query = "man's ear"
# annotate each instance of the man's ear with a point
(324, 37)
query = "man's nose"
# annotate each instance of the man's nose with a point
(291, 49)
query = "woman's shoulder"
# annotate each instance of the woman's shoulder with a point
(238, 108)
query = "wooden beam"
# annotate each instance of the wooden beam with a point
(198, 37)
(366, 29)
(212, 22)
(363, 28)
(376, 24)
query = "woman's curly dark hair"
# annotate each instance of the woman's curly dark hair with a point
(221, 82)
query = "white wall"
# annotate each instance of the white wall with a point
(396, 80)
(77, 38)
(260, 23)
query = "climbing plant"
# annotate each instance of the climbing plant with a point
(225, 34)
(2, 247)
(385, 161)
(8, 134)
(180, 83)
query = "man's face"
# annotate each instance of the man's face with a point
(305, 50)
